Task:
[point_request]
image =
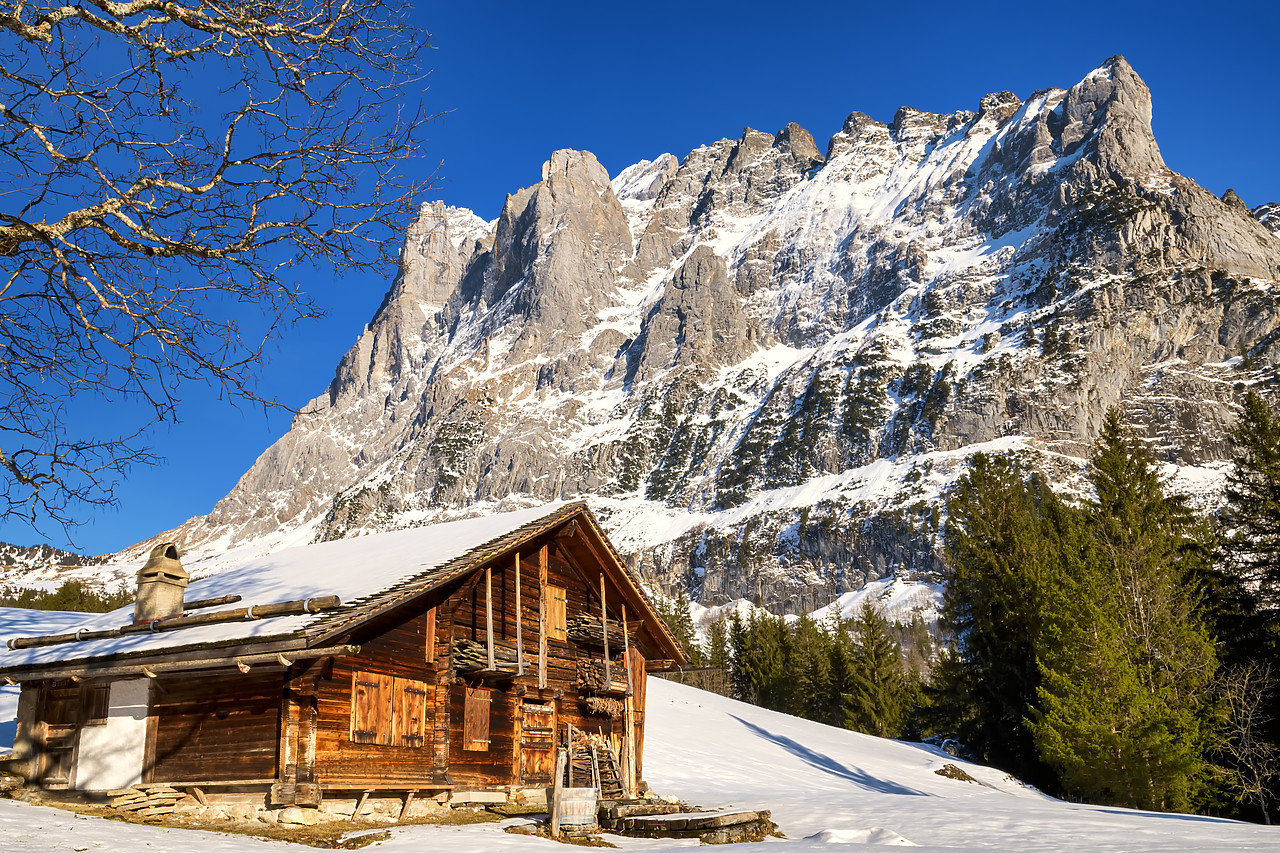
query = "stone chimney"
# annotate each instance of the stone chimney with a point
(161, 585)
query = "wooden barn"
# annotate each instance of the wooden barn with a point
(455, 656)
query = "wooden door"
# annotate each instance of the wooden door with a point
(61, 718)
(67, 708)
(537, 743)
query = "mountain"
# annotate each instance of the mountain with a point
(35, 556)
(763, 363)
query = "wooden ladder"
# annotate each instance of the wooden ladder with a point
(594, 766)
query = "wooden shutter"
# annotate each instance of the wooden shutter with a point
(411, 712)
(431, 635)
(372, 708)
(97, 703)
(557, 612)
(475, 719)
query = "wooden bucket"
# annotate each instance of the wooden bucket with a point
(577, 806)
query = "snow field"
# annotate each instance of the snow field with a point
(825, 786)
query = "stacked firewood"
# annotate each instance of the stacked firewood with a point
(604, 706)
(591, 676)
(470, 656)
(585, 630)
(146, 800)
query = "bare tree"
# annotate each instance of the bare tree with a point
(1251, 761)
(162, 163)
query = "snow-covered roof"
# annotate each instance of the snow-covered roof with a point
(368, 573)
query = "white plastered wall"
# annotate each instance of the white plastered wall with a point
(111, 756)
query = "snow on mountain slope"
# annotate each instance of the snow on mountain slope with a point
(824, 786)
(763, 364)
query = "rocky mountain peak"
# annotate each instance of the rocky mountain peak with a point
(998, 106)
(763, 366)
(1269, 215)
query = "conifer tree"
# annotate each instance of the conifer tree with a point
(1252, 513)
(675, 613)
(994, 602)
(719, 659)
(1242, 596)
(877, 701)
(1123, 709)
(809, 667)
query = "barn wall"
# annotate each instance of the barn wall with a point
(396, 647)
(216, 728)
(111, 755)
(499, 765)
(391, 648)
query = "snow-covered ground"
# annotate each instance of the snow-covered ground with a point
(825, 787)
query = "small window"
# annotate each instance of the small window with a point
(475, 719)
(556, 605)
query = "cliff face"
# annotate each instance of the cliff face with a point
(761, 364)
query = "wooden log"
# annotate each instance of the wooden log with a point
(364, 798)
(604, 629)
(519, 623)
(626, 648)
(408, 801)
(270, 659)
(542, 617)
(283, 608)
(557, 785)
(488, 612)
(217, 601)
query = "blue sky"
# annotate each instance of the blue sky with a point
(515, 81)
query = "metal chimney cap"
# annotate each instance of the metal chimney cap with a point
(164, 562)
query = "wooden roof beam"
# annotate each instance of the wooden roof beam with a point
(153, 670)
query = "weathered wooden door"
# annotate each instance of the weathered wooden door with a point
(62, 722)
(66, 708)
(537, 742)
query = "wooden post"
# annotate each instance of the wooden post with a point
(626, 649)
(408, 801)
(604, 629)
(542, 618)
(364, 798)
(570, 725)
(557, 785)
(519, 623)
(628, 716)
(488, 613)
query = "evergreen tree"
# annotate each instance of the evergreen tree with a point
(739, 643)
(1242, 595)
(997, 584)
(809, 668)
(675, 614)
(877, 701)
(760, 649)
(1252, 513)
(1123, 709)
(72, 595)
(719, 657)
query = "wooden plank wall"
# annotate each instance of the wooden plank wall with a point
(216, 727)
(395, 649)
(500, 766)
